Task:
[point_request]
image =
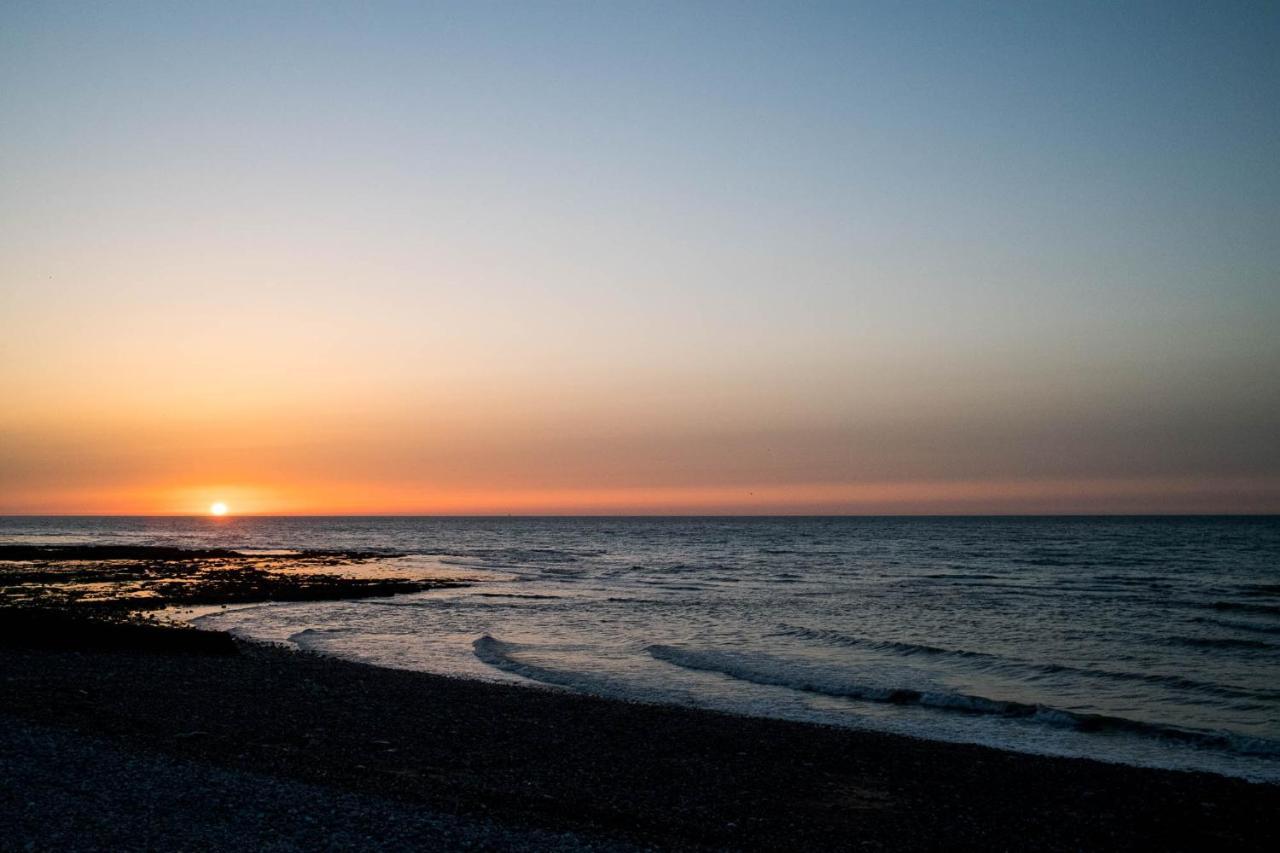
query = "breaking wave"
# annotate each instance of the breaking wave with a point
(502, 655)
(767, 670)
(1019, 667)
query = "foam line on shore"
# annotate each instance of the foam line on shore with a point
(768, 670)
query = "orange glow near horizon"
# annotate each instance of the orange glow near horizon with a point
(883, 498)
(419, 261)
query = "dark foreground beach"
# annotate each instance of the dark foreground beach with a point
(263, 747)
(118, 735)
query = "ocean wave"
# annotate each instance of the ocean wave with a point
(1237, 626)
(1156, 594)
(1105, 582)
(528, 555)
(767, 670)
(961, 576)
(501, 655)
(1243, 607)
(618, 599)
(1002, 590)
(479, 563)
(1261, 589)
(427, 603)
(908, 649)
(1226, 643)
(1022, 667)
(309, 639)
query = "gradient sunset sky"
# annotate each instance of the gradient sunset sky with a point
(639, 258)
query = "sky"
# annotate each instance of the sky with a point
(332, 258)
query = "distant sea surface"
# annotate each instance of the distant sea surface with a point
(1151, 641)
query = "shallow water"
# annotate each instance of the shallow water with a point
(1143, 640)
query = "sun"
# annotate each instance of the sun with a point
(218, 508)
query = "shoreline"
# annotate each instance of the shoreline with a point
(527, 683)
(181, 635)
(615, 773)
(93, 685)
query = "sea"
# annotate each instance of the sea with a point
(1141, 640)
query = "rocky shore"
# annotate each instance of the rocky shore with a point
(123, 582)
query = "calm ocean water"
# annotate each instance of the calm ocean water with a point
(1143, 640)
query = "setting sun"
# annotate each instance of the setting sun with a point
(218, 508)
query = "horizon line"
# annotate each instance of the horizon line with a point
(233, 516)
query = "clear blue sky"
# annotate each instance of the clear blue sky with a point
(572, 247)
